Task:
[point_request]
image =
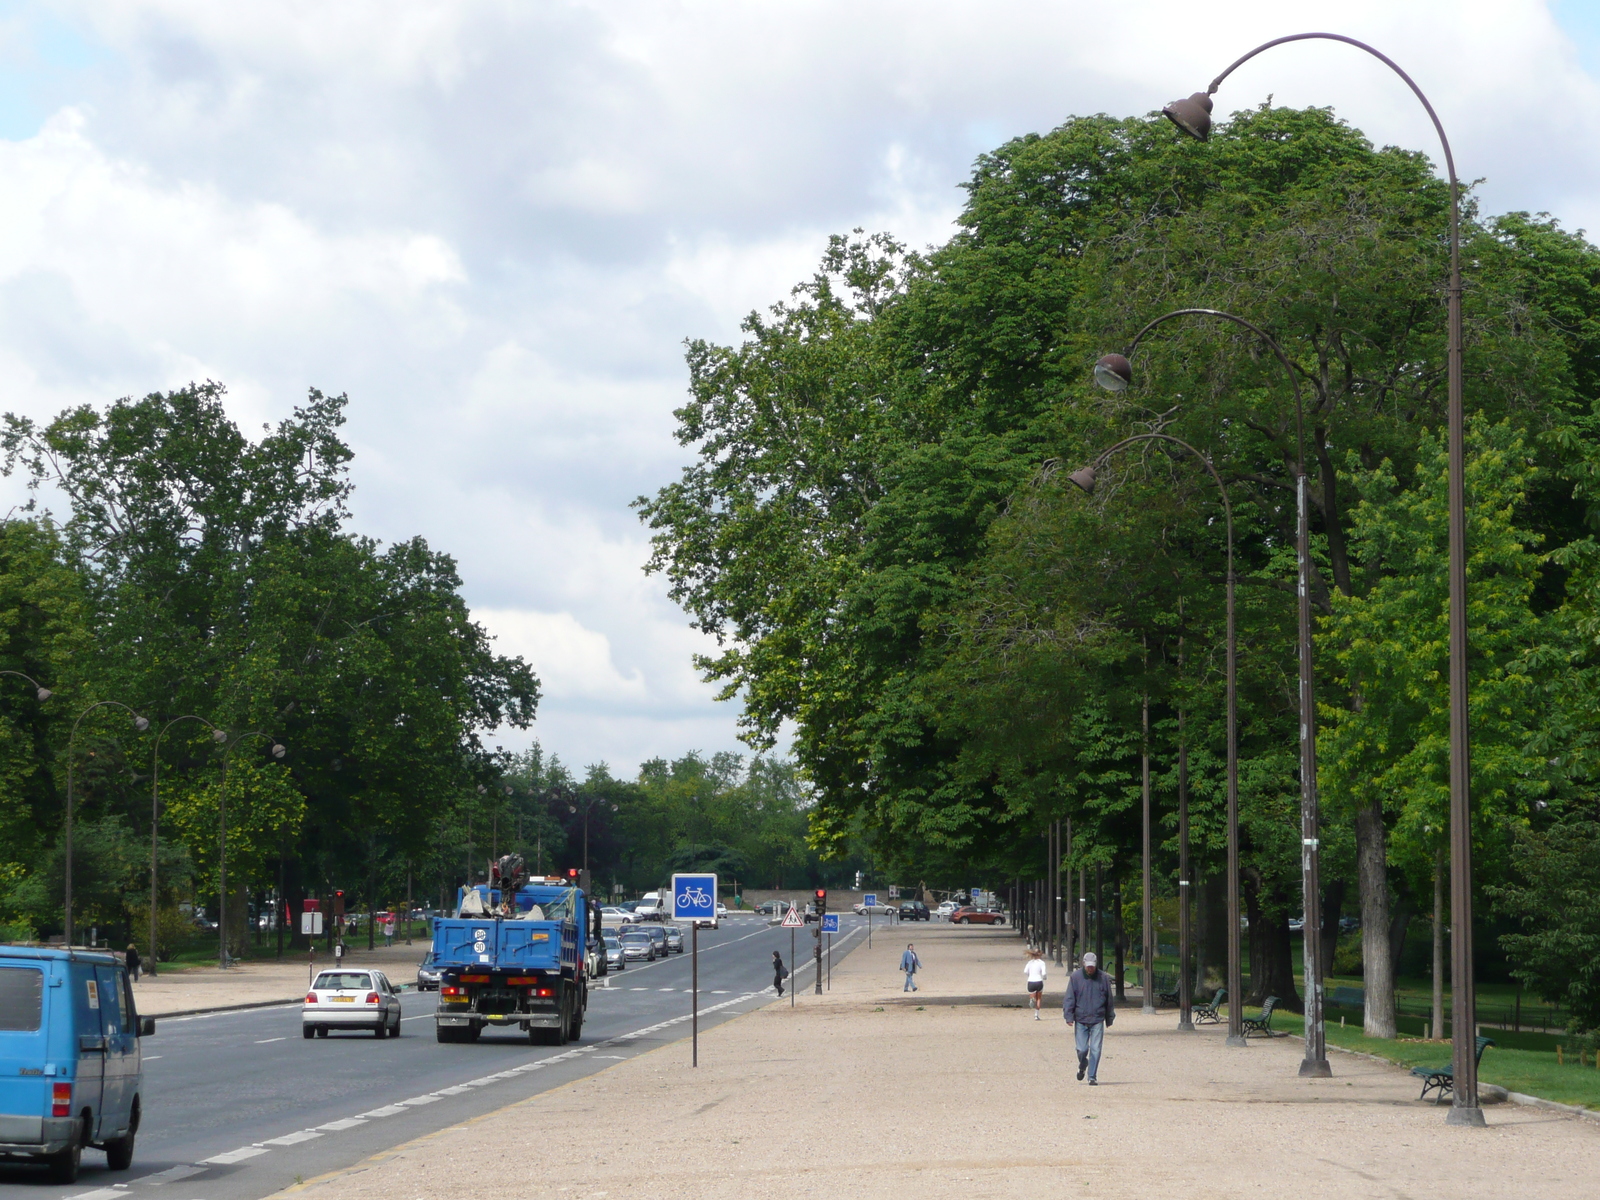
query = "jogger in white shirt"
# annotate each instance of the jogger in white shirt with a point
(1034, 970)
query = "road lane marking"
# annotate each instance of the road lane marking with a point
(343, 1123)
(293, 1139)
(152, 1057)
(97, 1194)
(264, 1041)
(233, 1156)
(388, 1110)
(418, 1101)
(173, 1174)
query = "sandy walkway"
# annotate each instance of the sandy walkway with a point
(868, 1094)
(206, 987)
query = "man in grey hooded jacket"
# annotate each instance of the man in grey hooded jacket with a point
(1092, 1007)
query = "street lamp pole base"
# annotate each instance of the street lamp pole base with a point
(1315, 1069)
(1461, 1115)
(1237, 1039)
(1186, 1026)
(1149, 1010)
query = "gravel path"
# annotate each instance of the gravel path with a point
(191, 988)
(957, 1092)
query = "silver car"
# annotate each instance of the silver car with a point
(346, 998)
(637, 943)
(615, 958)
(674, 938)
(428, 973)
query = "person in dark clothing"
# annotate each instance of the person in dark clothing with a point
(779, 972)
(134, 962)
(1092, 1007)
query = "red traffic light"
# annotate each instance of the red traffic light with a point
(822, 893)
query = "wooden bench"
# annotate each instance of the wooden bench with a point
(1263, 1023)
(1441, 1081)
(1207, 1014)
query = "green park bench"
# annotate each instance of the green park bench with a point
(1207, 1014)
(1441, 1081)
(1263, 1023)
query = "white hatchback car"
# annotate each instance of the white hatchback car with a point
(344, 998)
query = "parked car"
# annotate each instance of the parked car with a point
(772, 908)
(973, 916)
(637, 943)
(622, 916)
(428, 972)
(674, 938)
(349, 999)
(876, 910)
(615, 958)
(70, 1039)
(945, 909)
(722, 910)
(913, 910)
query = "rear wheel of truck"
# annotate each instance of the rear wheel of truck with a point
(575, 1030)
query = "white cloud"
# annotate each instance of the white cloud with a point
(493, 224)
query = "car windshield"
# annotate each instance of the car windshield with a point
(611, 942)
(334, 981)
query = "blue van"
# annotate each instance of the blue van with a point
(70, 1063)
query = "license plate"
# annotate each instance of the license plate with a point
(344, 999)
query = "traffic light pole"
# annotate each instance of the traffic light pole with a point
(822, 911)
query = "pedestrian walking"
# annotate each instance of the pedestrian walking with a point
(779, 971)
(1091, 1007)
(1034, 970)
(910, 964)
(135, 963)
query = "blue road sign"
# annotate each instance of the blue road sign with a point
(694, 897)
(830, 923)
(869, 899)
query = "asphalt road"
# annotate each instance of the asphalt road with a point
(239, 1105)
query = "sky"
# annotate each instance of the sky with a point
(493, 223)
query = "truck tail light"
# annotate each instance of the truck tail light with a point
(311, 997)
(372, 997)
(543, 993)
(452, 991)
(60, 1099)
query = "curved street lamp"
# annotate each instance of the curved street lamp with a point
(140, 724)
(217, 735)
(1084, 478)
(1115, 373)
(1193, 116)
(278, 751)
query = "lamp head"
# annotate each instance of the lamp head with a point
(141, 723)
(219, 736)
(1114, 373)
(279, 750)
(1083, 478)
(1192, 115)
(44, 694)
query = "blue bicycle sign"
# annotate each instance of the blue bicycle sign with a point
(694, 897)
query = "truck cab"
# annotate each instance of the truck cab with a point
(71, 1065)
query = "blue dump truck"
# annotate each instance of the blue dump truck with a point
(514, 957)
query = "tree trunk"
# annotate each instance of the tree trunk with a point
(1332, 911)
(1117, 941)
(1197, 932)
(1376, 964)
(1271, 948)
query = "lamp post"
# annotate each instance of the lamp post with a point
(278, 751)
(140, 724)
(1084, 478)
(587, 806)
(1115, 373)
(1193, 116)
(217, 735)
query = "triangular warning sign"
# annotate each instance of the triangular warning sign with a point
(793, 920)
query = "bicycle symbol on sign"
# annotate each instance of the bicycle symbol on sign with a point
(694, 897)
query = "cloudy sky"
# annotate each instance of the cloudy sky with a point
(493, 223)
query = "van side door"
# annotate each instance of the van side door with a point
(122, 1051)
(88, 1043)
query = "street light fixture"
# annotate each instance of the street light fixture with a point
(1085, 479)
(140, 724)
(1193, 116)
(1115, 373)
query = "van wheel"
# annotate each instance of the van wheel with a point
(64, 1164)
(308, 1031)
(119, 1151)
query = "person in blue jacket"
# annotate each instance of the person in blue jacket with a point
(1091, 1006)
(910, 964)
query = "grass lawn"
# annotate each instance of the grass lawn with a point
(1532, 1072)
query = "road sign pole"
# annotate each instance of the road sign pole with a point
(791, 966)
(830, 962)
(694, 988)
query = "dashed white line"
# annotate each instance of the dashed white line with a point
(293, 1139)
(342, 1123)
(173, 1174)
(233, 1156)
(264, 1041)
